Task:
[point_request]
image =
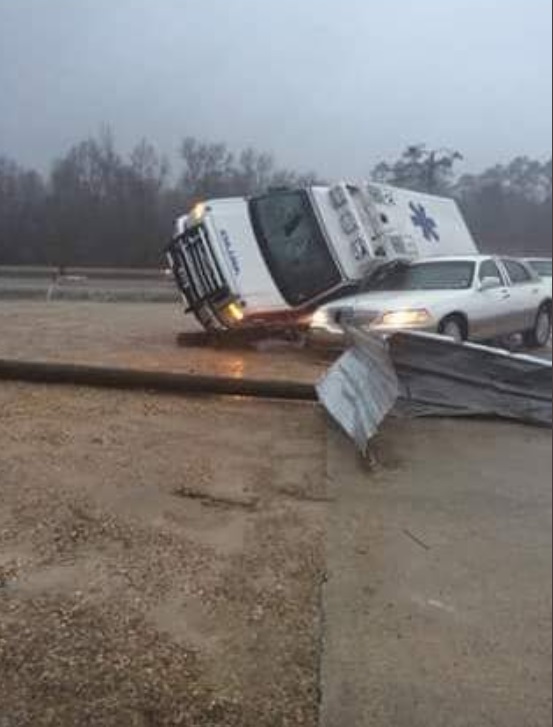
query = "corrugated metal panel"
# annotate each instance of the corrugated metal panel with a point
(360, 388)
(440, 377)
(417, 374)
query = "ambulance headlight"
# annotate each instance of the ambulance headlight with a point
(198, 213)
(233, 313)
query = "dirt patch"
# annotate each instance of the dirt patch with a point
(161, 559)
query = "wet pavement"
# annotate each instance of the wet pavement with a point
(152, 336)
(144, 336)
(437, 607)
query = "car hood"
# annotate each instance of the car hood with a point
(396, 300)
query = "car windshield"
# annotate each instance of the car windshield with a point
(542, 267)
(447, 275)
(293, 246)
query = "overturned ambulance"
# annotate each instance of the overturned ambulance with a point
(272, 260)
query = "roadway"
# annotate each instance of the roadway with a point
(436, 608)
(437, 604)
(99, 285)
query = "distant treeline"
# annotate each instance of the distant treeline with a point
(99, 207)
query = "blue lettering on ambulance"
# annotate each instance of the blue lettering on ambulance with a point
(230, 252)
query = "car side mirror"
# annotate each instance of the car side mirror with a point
(490, 283)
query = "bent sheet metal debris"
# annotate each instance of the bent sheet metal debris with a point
(440, 377)
(417, 374)
(361, 388)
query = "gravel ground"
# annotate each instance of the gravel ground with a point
(160, 559)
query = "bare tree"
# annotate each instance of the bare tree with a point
(421, 169)
(22, 214)
(105, 209)
(208, 169)
(211, 170)
(510, 206)
(254, 173)
(99, 207)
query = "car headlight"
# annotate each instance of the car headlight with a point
(321, 319)
(401, 318)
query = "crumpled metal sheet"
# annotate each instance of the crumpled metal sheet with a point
(417, 374)
(361, 388)
(439, 377)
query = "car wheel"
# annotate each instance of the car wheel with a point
(453, 327)
(540, 333)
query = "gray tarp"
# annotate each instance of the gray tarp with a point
(418, 374)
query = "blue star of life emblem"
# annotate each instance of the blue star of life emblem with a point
(421, 219)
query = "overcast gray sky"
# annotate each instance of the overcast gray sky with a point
(325, 85)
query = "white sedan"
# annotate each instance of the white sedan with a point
(477, 298)
(543, 267)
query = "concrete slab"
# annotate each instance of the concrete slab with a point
(438, 604)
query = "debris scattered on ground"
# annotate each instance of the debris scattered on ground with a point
(439, 377)
(430, 375)
(361, 388)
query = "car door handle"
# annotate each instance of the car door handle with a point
(505, 295)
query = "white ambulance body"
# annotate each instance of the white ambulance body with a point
(273, 259)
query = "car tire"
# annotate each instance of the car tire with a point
(454, 327)
(539, 335)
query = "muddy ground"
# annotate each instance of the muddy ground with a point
(160, 559)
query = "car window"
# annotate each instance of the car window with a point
(542, 267)
(489, 269)
(442, 275)
(517, 272)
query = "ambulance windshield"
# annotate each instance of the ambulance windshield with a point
(293, 246)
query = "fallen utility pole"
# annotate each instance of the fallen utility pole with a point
(410, 374)
(42, 372)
